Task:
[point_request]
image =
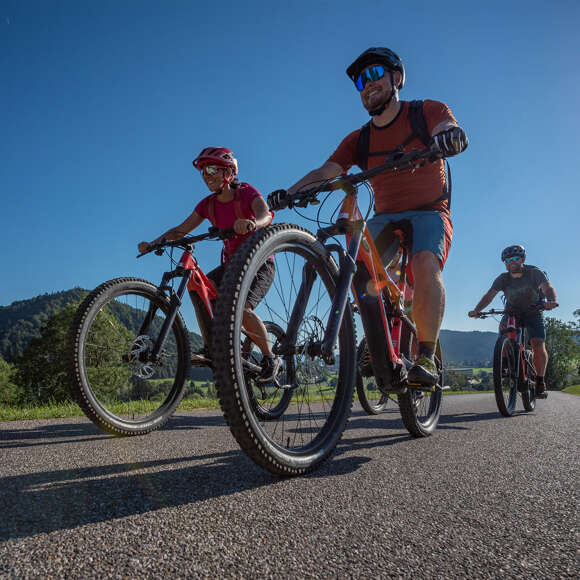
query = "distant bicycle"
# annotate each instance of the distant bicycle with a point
(513, 367)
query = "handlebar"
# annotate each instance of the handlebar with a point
(395, 161)
(212, 233)
(484, 314)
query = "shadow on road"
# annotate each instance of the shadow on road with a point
(62, 432)
(44, 502)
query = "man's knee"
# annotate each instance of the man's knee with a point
(538, 343)
(425, 264)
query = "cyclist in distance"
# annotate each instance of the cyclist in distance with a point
(524, 287)
(237, 205)
(419, 198)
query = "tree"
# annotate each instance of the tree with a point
(563, 352)
(8, 388)
(42, 374)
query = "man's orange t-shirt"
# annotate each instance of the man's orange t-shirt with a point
(401, 190)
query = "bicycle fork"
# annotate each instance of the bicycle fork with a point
(175, 301)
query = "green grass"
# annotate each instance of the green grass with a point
(572, 390)
(52, 411)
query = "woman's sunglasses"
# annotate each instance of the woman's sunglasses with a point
(210, 169)
(512, 259)
(373, 73)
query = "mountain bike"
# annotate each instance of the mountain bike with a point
(129, 349)
(309, 299)
(513, 367)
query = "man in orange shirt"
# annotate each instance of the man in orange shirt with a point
(420, 198)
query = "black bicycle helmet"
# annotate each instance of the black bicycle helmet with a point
(511, 251)
(377, 55)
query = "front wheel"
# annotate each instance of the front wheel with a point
(304, 434)
(420, 410)
(505, 380)
(369, 396)
(115, 378)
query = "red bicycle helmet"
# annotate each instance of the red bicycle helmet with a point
(220, 156)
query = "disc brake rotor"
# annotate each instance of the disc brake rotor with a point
(139, 360)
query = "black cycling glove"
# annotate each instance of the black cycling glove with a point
(278, 199)
(451, 142)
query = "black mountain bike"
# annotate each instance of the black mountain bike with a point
(513, 367)
(309, 300)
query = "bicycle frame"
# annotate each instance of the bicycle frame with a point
(516, 333)
(202, 292)
(376, 295)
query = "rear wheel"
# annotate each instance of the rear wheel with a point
(369, 396)
(115, 378)
(420, 409)
(298, 439)
(505, 381)
(529, 393)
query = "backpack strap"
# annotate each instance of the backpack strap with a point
(418, 130)
(211, 209)
(363, 146)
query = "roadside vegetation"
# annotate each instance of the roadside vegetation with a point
(34, 383)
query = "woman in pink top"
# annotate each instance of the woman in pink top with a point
(231, 205)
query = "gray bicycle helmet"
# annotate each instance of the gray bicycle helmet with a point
(511, 251)
(377, 55)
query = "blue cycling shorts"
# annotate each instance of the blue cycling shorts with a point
(431, 231)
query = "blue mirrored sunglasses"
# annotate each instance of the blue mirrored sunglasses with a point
(373, 73)
(512, 259)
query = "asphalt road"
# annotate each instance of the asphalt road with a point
(484, 497)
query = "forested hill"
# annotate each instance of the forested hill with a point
(22, 321)
(468, 348)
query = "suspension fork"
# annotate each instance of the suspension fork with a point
(299, 308)
(346, 275)
(518, 353)
(175, 301)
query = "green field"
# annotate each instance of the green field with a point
(572, 390)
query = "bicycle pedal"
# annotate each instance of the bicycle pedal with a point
(198, 361)
(419, 387)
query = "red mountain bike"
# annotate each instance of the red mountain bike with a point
(513, 367)
(129, 349)
(309, 301)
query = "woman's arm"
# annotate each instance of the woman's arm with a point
(190, 223)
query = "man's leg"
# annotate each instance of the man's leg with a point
(428, 309)
(540, 356)
(540, 364)
(537, 333)
(428, 297)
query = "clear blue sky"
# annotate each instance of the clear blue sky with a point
(104, 104)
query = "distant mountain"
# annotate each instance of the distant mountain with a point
(22, 321)
(473, 348)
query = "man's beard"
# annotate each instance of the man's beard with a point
(378, 102)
